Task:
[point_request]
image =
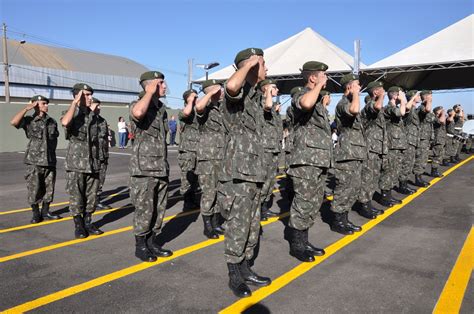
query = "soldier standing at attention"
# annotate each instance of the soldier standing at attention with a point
(350, 153)
(210, 154)
(458, 123)
(40, 155)
(439, 126)
(149, 169)
(451, 142)
(243, 174)
(310, 159)
(82, 160)
(189, 140)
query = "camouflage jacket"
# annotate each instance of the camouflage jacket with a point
(149, 154)
(412, 127)
(212, 133)
(312, 144)
(426, 123)
(291, 131)
(375, 129)
(243, 119)
(272, 131)
(397, 138)
(439, 132)
(42, 133)
(458, 123)
(189, 136)
(351, 144)
(450, 128)
(83, 148)
(103, 139)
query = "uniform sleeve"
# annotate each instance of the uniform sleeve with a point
(132, 104)
(24, 122)
(233, 99)
(393, 111)
(342, 108)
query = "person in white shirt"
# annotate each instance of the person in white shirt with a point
(122, 131)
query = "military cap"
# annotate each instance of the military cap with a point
(324, 93)
(373, 85)
(266, 82)
(314, 66)
(437, 108)
(426, 92)
(142, 93)
(39, 98)
(187, 93)
(348, 78)
(394, 89)
(82, 86)
(411, 93)
(295, 90)
(151, 75)
(449, 111)
(367, 99)
(95, 100)
(247, 53)
(208, 83)
(456, 106)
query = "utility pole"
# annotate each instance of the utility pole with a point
(356, 56)
(190, 73)
(5, 65)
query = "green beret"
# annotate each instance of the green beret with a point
(189, 92)
(348, 78)
(449, 111)
(367, 99)
(39, 97)
(247, 53)
(266, 82)
(394, 89)
(314, 66)
(437, 108)
(426, 92)
(82, 86)
(324, 93)
(411, 93)
(456, 106)
(151, 75)
(208, 83)
(142, 93)
(95, 100)
(295, 90)
(373, 85)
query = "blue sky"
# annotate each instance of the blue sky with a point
(165, 34)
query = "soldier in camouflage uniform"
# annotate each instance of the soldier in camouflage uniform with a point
(271, 142)
(149, 168)
(242, 176)
(373, 120)
(310, 159)
(439, 143)
(210, 152)
(451, 142)
(397, 143)
(189, 140)
(426, 129)
(40, 155)
(458, 123)
(103, 150)
(81, 127)
(350, 153)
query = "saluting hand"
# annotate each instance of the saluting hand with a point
(78, 98)
(31, 105)
(253, 60)
(214, 89)
(152, 87)
(325, 100)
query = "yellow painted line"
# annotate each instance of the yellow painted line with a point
(453, 292)
(280, 176)
(330, 198)
(280, 282)
(7, 258)
(56, 296)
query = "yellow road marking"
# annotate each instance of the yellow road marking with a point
(280, 176)
(260, 294)
(7, 258)
(56, 296)
(453, 292)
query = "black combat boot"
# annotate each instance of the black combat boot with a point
(208, 229)
(393, 200)
(375, 210)
(216, 224)
(349, 224)
(266, 213)
(251, 277)
(80, 232)
(453, 160)
(142, 251)
(297, 246)
(385, 199)
(420, 182)
(457, 158)
(90, 226)
(435, 173)
(36, 214)
(47, 214)
(366, 211)
(155, 247)
(338, 225)
(311, 248)
(236, 282)
(403, 188)
(446, 163)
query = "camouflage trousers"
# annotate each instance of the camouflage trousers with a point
(348, 184)
(451, 148)
(149, 196)
(370, 180)
(102, 173)
(421, 157)
(438, 155)
(408, 161)
(240, 206)
(208, 179)
(82, 189)
(469, 144)
(459, 148)
(271, 170)
(390, 173)
(40, 183)
(308, 195)
(189, 180)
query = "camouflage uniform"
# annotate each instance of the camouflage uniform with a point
(439, 143)
(103, 150)
(210, 152)
(412, 129)
(458, 123)
(309, 162)
(451, 142)
(189, 139)
(82, 161)
(40, 157)
(377, 144)
(242, 176)
(149, 169)
(426, 131)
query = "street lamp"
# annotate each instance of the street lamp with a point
(207, 67)
(5, 63)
